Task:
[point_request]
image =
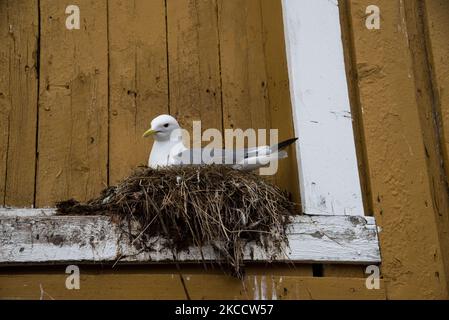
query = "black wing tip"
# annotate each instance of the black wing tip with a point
(286, 143)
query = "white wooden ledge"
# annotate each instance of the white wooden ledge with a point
(31, 236)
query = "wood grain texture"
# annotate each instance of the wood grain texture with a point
(244, 77)
(194, 66)
(61, 239)
(18, 100)
(272, 287)
(5, 105)
(280, 109)
(430, 116)
(356, 110)
(73, 103)
(137, 80)
(436, 15)
(402, 198)
(143, 284)
(345, 271)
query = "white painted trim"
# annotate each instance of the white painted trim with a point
(37, 236)
(26, 212)
(327, 159)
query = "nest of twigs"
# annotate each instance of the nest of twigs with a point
(198, 206)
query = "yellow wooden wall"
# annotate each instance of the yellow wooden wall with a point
(398, 84)
(73, 106)
(76, 102)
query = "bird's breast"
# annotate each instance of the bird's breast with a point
(162, 153)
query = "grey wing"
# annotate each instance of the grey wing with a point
(219, 156)
(245, 159)
(211, 156)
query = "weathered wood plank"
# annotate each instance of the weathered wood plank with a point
(5, 105)
(398, 174)
(138, 80)
(18, 100)
(25, 212)
(436, 15)
(280, 110)
(430, 117)
(73, 103)
(145, 284)
(244, 78)
(43, 239)
(356, 110)
(346, 271)
(193, 55)
(327, 160)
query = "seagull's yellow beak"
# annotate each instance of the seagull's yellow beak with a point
(149, 132)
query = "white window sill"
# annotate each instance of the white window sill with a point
(37, 236)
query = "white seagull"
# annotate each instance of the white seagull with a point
(168, 149)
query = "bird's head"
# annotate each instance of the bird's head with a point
(162, 127)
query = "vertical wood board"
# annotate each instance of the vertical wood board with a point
(194, 63)
(73, 103)
(18, 100)
(138, 84)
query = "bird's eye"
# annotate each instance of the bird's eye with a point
(166, 125)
